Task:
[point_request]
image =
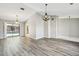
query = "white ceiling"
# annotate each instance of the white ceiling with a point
(8, 11)
(59, 9)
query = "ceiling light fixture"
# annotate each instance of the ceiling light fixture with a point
(17, 21)
(71, 3)
(21, 8)
(46, 17)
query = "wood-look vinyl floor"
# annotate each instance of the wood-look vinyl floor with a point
(16, 46)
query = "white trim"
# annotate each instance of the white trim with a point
(74, 39)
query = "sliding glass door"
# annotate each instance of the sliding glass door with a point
(13, 30)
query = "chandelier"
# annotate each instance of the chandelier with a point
(46, 17)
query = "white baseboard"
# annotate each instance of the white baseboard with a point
(74, 39)
(2, 38)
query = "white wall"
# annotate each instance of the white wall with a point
(46, 29)
(65, 28)
(39, 27)
(53, 28)
(50, 28)
(74, 27)
(58, 28)
(68, 29)
(22, 29)
(1, 29)
(32, 26)
(36, 26)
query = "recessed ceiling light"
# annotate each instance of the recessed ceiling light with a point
(22, 8)
(71, 3)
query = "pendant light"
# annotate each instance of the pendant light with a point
(17, 20)
(46, 17)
